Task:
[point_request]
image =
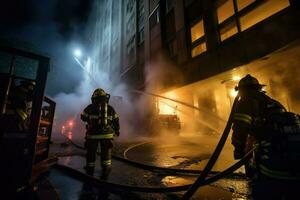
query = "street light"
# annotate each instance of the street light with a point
(77, 53)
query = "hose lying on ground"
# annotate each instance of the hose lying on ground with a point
(113, 187)
(211, 162)
(156, 168)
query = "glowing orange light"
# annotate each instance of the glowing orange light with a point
(167, 106)
(71, 123)
(233, 93)
(236, 78)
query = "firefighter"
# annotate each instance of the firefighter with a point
(18, 108)
(254, 117)
(15, 120)
(102, 124)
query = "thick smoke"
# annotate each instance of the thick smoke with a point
(98, 64)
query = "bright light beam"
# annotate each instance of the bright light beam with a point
(77, 53)
(85, 70)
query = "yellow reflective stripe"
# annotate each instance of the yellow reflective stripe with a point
(101, 136)
(243, 120)
(278, 174)
(243, 117)
(106, 162)
(22, 114)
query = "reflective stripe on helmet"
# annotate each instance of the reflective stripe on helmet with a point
(101, 136)
(278, 174)
(243, 117)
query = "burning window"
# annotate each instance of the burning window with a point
(198, 39)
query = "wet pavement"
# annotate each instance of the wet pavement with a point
(181, 153)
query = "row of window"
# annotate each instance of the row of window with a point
(235, 16)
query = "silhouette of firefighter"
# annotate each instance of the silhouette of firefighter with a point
(262, 122)
(102, 124)
(18, 108)
(15, 120)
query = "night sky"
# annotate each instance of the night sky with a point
(51, 27)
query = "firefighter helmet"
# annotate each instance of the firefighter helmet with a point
(99, 93)
(249, 82)
(29, 85)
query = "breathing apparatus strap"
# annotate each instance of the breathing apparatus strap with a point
(190, 192)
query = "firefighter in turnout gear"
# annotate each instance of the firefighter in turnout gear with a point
(262, 122)
(102, 124)
(18, 108)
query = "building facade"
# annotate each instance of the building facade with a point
(210, 44)
(213, 43)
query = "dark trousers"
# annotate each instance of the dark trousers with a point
(264, 187)
(105, 155)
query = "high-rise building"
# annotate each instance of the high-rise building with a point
(212, 44)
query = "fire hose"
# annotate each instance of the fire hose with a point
(213, 159)
(152, 167)
(191, 189)
(113, 187)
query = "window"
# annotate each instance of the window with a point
(245, 14)
(263, 11)
(227, 23)
(225, 10)
(228, 30)
(198, 49)
(197, 31)
(198, 39)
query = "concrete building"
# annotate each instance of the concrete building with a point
(210, 44)
(215, 43)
